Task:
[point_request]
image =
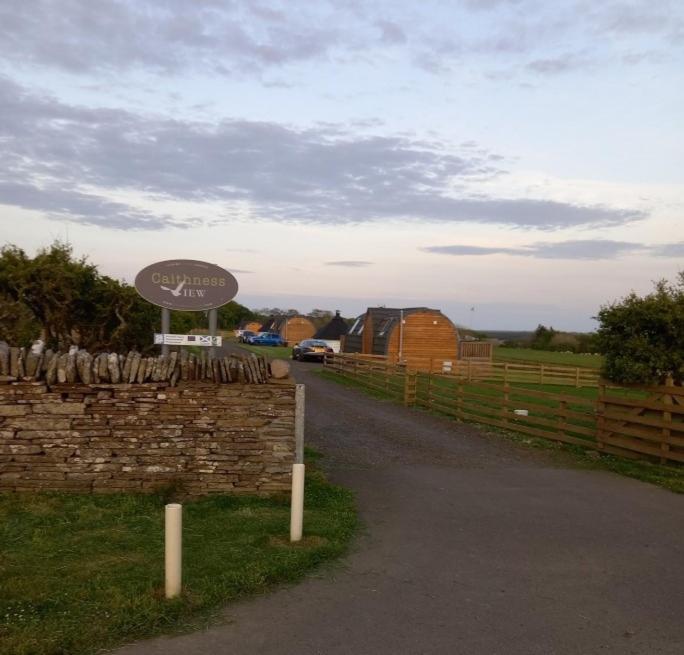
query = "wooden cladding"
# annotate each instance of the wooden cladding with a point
(637, 423)
(296, 329)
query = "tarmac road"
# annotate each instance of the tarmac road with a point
(472, 545)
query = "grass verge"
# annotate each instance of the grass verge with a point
(668, 477)
(271, 352)
(529, 355)
(80, 573)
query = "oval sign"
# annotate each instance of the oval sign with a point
(186, 284)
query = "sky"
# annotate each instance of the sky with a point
(511, 162)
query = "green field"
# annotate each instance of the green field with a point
(524, 355)
(80, 573)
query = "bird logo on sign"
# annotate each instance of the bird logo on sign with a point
(174, 292)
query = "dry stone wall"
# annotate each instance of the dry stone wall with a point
(205, 437)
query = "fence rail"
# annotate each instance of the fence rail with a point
(485, 370)
(646, 423)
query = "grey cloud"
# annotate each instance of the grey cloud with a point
(584, 249)
(390, 32)
(70, 204)
(557, 65)
(157, 34)
(350, 263)
(227, 37)
(637, 17)
(320, 175)
(674, 250)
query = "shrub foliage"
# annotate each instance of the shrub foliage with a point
(642, 338)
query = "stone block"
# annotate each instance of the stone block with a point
(14, 410)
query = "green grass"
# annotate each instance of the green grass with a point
(668, 477)
(522, 355)
(272, 352)
(80, 573)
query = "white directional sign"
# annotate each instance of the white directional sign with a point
(186, 340)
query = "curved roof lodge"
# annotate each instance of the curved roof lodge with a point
(414, 335)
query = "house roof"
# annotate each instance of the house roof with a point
(334, 329)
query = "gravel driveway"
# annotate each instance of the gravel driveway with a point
(471, 545)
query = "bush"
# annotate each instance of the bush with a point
(642, 338)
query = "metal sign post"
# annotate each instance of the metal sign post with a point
(165, 328)
(213, 321)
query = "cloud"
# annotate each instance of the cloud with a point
(349, 263)
(116, 35)
(390, 32)
(469, 250)
(674, 250)
(566, 63)
(67, 203)
(325, 174)
(231, 38)
(583, 249)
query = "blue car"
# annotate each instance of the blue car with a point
(267, 340)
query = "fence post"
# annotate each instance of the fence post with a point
(601, 414)
(541, 374)
(470, 377)
(506, 389)
(173, 549)
(409, 388)
(561, 416)
(505, 373)
(577, 378)
(459, 399)
(667, 418)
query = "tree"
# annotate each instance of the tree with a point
(69, 301)
(541, 339)
(642, 338)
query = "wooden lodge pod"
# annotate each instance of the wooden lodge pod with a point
(251, 326)
(292, 329)
(413, 336)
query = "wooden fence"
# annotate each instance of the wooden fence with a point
(484, 370)
(644, 423)
(475, 350)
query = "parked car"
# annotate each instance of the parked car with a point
(267, 340)
(245, 335)
(311, 349)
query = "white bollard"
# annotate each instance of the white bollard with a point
(173, 557)
(297, 507)
(299, 424)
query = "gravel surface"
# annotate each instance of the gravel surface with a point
(470, 544)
